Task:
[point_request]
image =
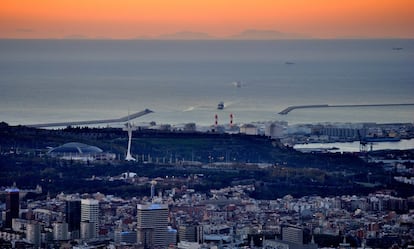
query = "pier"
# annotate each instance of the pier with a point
(291, 108)
(89, 122)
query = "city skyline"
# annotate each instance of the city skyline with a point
(183, 19)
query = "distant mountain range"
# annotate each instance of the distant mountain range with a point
(251, 34)
(186, 35)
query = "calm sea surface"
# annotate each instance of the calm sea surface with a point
(183, 81)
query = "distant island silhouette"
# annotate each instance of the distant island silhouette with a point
(250, 34)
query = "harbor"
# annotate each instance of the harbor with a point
(403, 144)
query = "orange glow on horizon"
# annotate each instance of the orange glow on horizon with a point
(125, 19)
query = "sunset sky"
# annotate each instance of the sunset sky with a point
(129, 19)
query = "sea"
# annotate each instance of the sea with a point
(45, 81)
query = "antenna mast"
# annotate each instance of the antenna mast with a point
(129, 128)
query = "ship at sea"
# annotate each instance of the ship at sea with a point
(237, 84)
(220, 105)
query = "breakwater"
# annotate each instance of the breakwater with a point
(291, 108)
(89, 122)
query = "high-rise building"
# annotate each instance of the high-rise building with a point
(152, 225)
(191, 233)
(12, 205)
(171, 236)
(126, 237)
(88, 230)
(292, 234)
(73, 217)
(33, 233)
(60, 231)
(90, 213)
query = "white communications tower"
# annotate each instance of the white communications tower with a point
(129, 128)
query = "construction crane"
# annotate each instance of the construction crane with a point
(362, 143)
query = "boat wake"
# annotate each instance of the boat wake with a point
(189, 109)
(197, 107)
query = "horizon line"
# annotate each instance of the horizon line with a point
(205, 39)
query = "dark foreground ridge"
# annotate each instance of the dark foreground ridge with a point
(291, 108)
(222, 159)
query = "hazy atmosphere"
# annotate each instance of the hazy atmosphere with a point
(187, 19)
(206, 124)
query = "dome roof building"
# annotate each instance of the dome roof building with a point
(80, 151)
(76, 148)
